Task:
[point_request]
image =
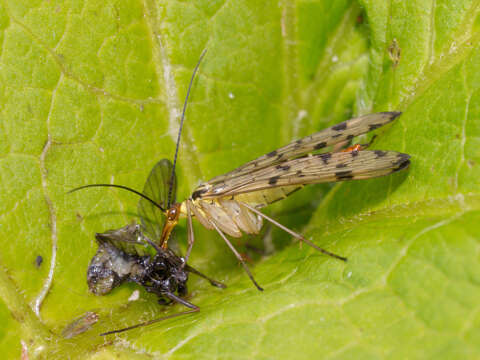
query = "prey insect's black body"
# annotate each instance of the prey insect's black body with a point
(117, 260)
(122, 256)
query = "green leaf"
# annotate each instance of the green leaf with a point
(90, 92)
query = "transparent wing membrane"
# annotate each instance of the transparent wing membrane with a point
(128, 239)
(335, 134)
(326, 167)
(157, 188)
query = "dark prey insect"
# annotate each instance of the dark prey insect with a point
(230, 203)
(122, 256)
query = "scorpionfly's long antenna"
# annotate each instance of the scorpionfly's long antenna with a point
(120, 187)
(180, 129)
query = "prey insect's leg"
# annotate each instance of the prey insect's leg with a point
(172, 297)
(169, 295)
(152, 244)
(211, 281)
(294, 234)
(239, 257)
(179, 300)
(190, 234)
(146, 323)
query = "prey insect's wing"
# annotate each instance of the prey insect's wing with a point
(156, 187)
(319, 168)
(333, 135)
(114, 261)
(128, 239)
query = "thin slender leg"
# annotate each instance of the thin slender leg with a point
(179, 300)
(239, 257)
(294, 234)
(169, 295)
(146, 323)
(155, 246)
(190, 234)
(210, 280)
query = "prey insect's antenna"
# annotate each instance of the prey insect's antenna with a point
(146, 323)
(180, 129)
(120, 187)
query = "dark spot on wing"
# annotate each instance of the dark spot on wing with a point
(299, 173)
(374, 126)
(320, 145)
(198, 193)
(380, 153)
(272, 153)
(401, 166)
(402, 161)
(340, 127)
(336, 135)
(325, 157)
(273, 180)
(283, 167)
(344, 175)
(350, 137)
(392, 115)
(339, 166)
